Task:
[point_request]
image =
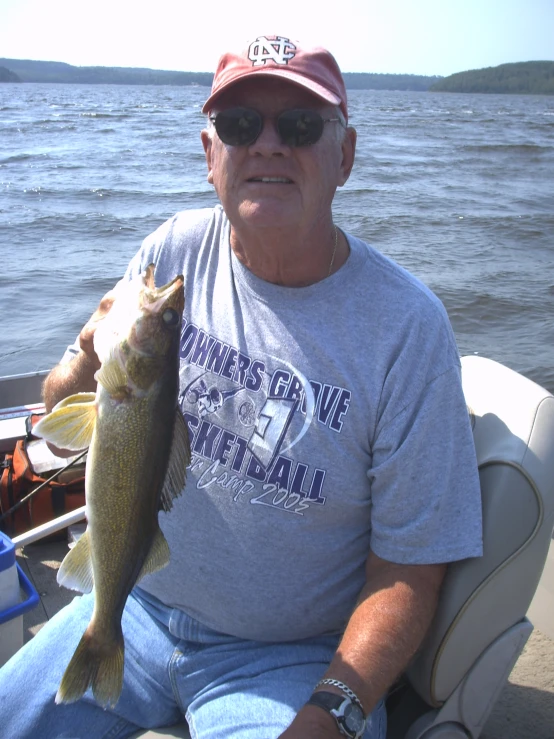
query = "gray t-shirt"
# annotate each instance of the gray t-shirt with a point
(324, 421)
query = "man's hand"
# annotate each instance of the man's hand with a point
(86, 337)
(78, 375)
(312, 722)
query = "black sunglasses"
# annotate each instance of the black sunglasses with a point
(242, 126)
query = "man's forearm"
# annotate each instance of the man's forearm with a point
(393, 614)
(76, 376)
(394, 611)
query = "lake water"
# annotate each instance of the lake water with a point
(459, 189)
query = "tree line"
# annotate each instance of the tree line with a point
(59, 72)
(518, 78)
(522, 78)
(6, 75)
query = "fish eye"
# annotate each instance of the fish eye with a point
(170, 317)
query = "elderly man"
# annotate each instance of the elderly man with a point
(333, 473)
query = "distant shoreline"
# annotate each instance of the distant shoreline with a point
(25, 70)
(520, 78)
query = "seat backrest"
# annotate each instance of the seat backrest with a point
(513, 429)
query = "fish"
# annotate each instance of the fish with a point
(138, 452)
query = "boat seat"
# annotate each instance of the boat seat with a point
(481, 627)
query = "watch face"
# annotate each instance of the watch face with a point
(354, 718)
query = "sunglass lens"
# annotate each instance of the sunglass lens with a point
(238, 126)
(300, 127)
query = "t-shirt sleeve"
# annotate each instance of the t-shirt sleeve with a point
(426, 501)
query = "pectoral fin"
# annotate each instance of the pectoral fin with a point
(157, 557)
(75, 399)
(179, 459)
(71, 423)
(75, 571)
(112, 376)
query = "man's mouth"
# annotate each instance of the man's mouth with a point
(280, 180)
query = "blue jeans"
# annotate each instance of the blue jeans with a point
(174, 667)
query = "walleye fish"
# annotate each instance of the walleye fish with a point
(138, 452)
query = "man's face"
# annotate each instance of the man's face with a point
(303, 180)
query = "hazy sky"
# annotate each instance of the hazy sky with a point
(395, 36)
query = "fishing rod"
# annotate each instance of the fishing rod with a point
(41, 486)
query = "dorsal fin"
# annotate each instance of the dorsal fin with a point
(179, 459)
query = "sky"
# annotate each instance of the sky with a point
(428, 37)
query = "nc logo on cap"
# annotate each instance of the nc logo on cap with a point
(279, 51)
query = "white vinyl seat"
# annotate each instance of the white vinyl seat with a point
(480, 627)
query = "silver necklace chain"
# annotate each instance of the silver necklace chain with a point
(334, 251)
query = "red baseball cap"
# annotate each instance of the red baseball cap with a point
(315, 69)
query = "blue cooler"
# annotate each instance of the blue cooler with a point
(13, 602)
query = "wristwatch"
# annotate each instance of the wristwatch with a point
(348, 714)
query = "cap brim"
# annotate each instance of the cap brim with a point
(296, 79)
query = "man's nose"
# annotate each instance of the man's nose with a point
(269, 141)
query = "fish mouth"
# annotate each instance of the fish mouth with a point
(149, 282)
(155, 297)
(160, 312)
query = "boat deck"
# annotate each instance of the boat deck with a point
(40, 562)
(525, 709)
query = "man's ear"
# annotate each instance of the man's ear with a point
(348, 154)
(207, 145)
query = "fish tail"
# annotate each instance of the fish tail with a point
(98, 663)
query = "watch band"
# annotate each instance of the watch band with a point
(323, 699)
(348, 715)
